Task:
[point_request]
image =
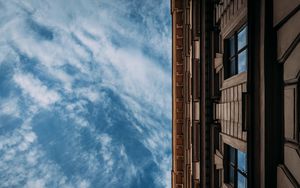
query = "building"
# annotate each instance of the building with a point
(236, 70)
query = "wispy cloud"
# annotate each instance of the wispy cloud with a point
(105, 151)
(10, 107)
(36, 89)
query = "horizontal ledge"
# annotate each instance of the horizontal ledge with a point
(235, 80)
(234, 142)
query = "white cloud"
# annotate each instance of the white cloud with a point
(40, 183)
(64, 78)
(84, 184)
(32, 156)
(10, 107)
(88, 93)
(105, 139)
(36, 89)
(30, 137)
(106, 151)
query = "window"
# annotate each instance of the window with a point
(236, 170)
(237, 52)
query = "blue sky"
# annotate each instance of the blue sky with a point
(85, 93)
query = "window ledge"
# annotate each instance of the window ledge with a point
(234, 80)
(226, 185)
(234, 142)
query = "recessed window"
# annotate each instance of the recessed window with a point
(236, 167)
(237, 52)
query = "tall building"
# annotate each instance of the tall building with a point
(236, 106)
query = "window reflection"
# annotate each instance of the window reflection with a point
(242, 38)
(237, 52)
(236, 175)
(242, 162)
(242, 59)
(242, 181)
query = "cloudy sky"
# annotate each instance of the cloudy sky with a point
(85, 93)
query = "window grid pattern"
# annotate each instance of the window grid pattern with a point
(237, 52)
(236, 168)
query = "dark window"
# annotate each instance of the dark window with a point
(216, 133)
(218, 178)
(237, 52)
(196, 77)
(216, 85)
(236, 170)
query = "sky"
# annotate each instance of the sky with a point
(85, 93)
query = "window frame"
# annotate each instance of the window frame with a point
(236, 53)
(236, 170)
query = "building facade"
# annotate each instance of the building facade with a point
(236, 71)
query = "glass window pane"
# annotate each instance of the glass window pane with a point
(232, 67)
(231, 175)
(242, 161)
(231, 47)
(242, 38)
(242, 181)
(232, 155)
(242, 61)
